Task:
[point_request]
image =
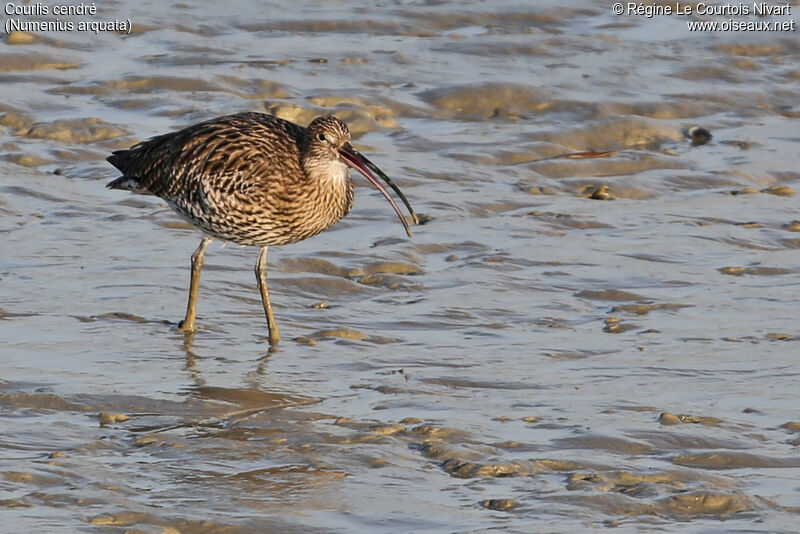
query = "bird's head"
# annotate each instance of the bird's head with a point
(326, 136)
(329, 140)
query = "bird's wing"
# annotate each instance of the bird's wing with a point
(226, 155)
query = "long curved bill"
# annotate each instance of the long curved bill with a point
(360, 163)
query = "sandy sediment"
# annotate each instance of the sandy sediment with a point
(29, 61)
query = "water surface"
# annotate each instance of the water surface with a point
(596, 328)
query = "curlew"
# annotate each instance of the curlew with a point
(254, 179)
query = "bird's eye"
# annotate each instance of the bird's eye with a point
(321, 137)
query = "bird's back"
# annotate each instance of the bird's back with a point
(235, 151)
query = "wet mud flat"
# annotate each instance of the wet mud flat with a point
(594, 328)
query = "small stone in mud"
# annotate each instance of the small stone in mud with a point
(410, 421)
(597, 192)
(501, 505)
(58, 454)
(792, 426)
(532, 419)
(110, 418)
(699, 135)
(321, 306)
(779, 190)
(669, 419)
(734, 271)
(793, 226)
(451, 257)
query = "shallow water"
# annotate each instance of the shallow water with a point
(596, 328)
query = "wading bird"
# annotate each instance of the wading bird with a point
(253, 179)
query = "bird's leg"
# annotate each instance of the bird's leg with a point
(261, 276)
(187, 325)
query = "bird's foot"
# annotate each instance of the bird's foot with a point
(186, 327)
(274, 338)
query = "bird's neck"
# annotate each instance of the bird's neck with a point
(331, 188)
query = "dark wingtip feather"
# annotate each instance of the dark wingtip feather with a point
(117, 159)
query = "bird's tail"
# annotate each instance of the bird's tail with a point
(121, 160)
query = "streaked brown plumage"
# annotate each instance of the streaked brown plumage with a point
(253, 179)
